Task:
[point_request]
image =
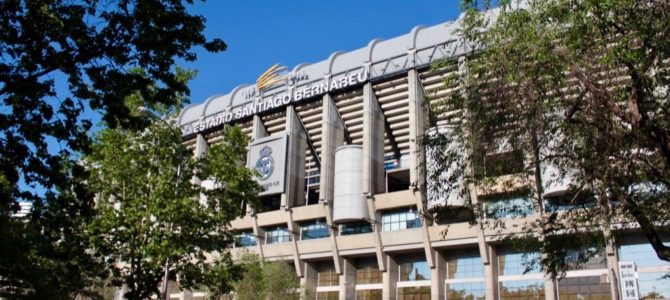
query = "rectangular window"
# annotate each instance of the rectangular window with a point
(414, 269)
(355, 228)
(465, 265)
(328, 277)
(367, 271)
(519, 263)
(279, 234)
(314, 230)
(508, 207)
(522, 290)
(414, 293)
(642, 254)
(654, 286)
(245, 239)
(332, 295)
(466, 291)
(369, 295)
(400, 219)
(587, 288)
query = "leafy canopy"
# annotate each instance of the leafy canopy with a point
(60, 63)
(578, 91)
(153, 212)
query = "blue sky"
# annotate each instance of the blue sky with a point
(262, 33)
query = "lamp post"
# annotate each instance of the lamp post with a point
(149, 113)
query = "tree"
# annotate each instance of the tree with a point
(151, 219)
(266, 280)
(580, 90)
(63, 61)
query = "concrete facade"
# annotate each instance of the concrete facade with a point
(414, 255)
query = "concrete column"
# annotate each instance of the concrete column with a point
(294, 231)
(260, 235)
(612, 264)
(373, 143)
(308, 281)
(294, 194)
(490, 260)
(348, 280)
(390, 278)
(332, 136)
(258, 130)
(373, 164)
(437, 277)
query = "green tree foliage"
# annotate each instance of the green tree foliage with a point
(266, 280)
(579, 88)
(153, 214)
(61, 62)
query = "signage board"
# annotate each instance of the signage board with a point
(268, 157)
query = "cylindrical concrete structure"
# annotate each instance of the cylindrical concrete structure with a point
(349, 203)
(449, 188)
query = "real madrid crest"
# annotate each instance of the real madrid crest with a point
(265, 164)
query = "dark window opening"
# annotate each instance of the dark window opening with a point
(271, 202)
(355, 228)
(454, 215)
(397, 180)
(499, 164)
(312, 195)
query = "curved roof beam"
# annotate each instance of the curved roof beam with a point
(331, 60)
(371, 47)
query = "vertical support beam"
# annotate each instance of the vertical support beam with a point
(416, 129)
(348, 280)
(373, 143)
(437, 277)
(258, 130)
(373, 164)
(294, 194)
(390, 278)
(331, 137)
(612, 263)
(490, 270)
(308, 281)
(294, 231)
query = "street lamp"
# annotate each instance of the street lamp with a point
(144, 111)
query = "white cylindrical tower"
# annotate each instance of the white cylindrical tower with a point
(449, 189)
(349, 203)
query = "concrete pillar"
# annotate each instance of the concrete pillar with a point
(373, 143)
(332, 136)
(258, 130)
(294, 231)
(294, 194)
(612, 264)
(390, 278)
(348, 280)
(437, 277)
(308, 281)
(490, 260)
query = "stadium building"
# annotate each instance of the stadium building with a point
(336, 146)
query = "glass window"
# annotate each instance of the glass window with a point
(587, 288)
(521, 290)
(400, 219)
(519, 263)
(355, 228)
(328, 277)
(466, 291)
(465, 265)
(279, 234)
(653, 286)
(367, 271)
(369, 295)
(414, 293)
(508, 207)
(414, 269)
(642, 254)
(314, 230)
(245, 239)
(332, 295)
(577, 260)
